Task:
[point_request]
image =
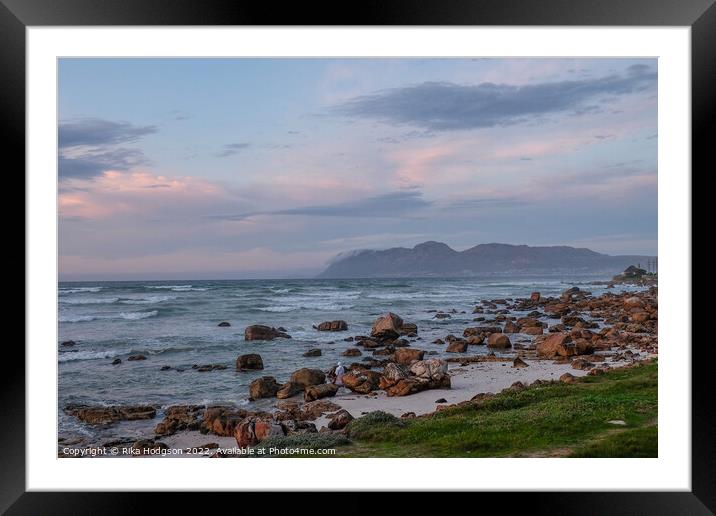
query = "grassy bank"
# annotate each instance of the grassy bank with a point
(543, 421)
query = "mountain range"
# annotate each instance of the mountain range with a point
(436, 259)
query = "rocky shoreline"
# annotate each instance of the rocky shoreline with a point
(560, 338)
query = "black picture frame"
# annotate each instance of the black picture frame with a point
(700, 15)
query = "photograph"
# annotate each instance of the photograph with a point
(357, 257)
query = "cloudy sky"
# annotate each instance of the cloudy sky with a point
(210, 168)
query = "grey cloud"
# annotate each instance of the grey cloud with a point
(445, 106)
(232, 148)
(88, 146)
(95, 132)
(91, 164)
(392, 204)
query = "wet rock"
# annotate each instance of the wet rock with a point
(264, 387)
(442, 315)
(100, 415)
(475, 340)
(498, 340)
(132, 358)
(251, 361)
(511, 327)
(438, 341)
(306, 377)
(535, 297)
(332, 326)
(261, 332)
(532, 330)
(352, 352)
(314, 352)
(288, 390)
(408, 355)
(116, 361)
(224, 324)
(68, 343)
(441, 400)
(315, 392)
(387, 326)
(165, 368)
(457, 346)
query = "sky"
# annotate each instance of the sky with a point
(229, 168)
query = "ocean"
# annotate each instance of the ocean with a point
(175, 324)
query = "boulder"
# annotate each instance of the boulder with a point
(457, 346)
(392, 374)
(306, 377)
(475, 340)
(409, 329)
(362, 381)
(535, 297)
(288, 390)
(68, 343)
(498, 340)
(532, 330)
(332, 326)
(408, 355)
(511, 327)
(314, 352)
(339, 420)
(351, 352)
(252, 430)
(557, 344)
(132, 358)
(633, 302)
(315, 392)
(481, 330)
(264, 387)
(567, 378)
(518, 362)
(116, 361)
(101, 415)
(224, 324)
(432, 369)
(387, 326)
(581, 364)
(252, 361)
(261, 332)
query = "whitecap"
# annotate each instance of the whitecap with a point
(87, 355)
(76, 290)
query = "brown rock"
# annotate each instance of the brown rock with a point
(457, 346)
(581, 364)
(332, 326)
(264, 387)
(567, 378)
(362, 382)
(474, 340)
(532, 330)
(352, 352)
(315, 352)
(68, 343)
(315, 392)
(556, 344)
(392, 374)
(288, 390)
(511, 327)
(261, 332)
(251, 361)
(408, 355)
(339, 420)
(306, 377)
(518, 362)
(387, 326)
(498, 340)
(535, 297)
(132, 358)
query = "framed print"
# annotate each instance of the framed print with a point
(279, 252)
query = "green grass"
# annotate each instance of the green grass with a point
(548, 420)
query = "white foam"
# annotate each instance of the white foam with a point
(87, 355)
(132, 316)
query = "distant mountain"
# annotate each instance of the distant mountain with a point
(435, 259)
